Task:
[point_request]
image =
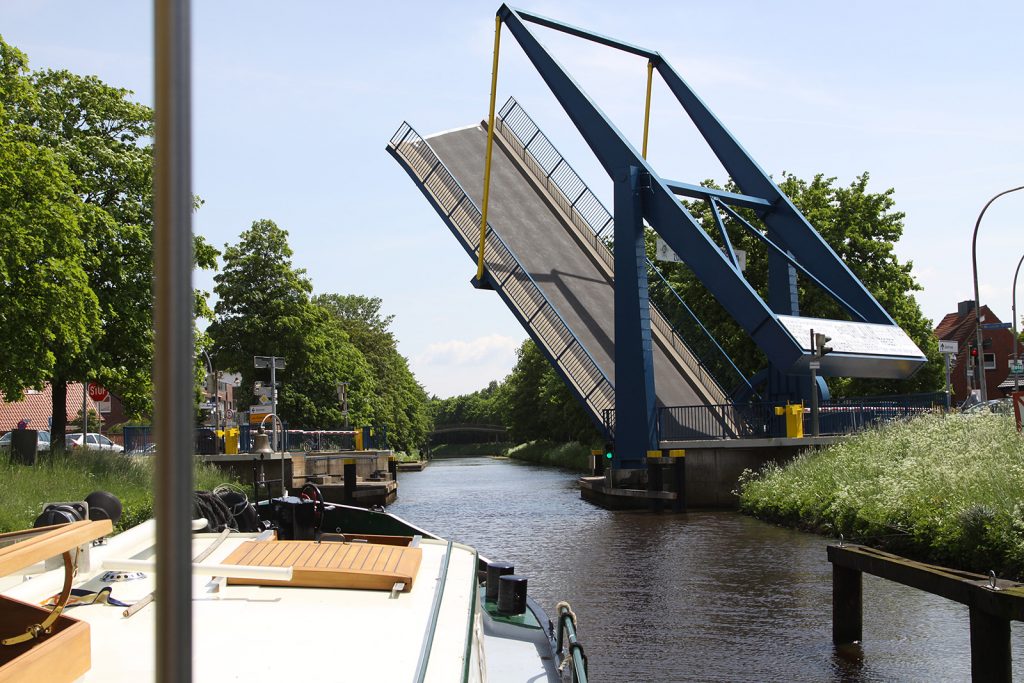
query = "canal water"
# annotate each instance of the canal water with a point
(705, 596)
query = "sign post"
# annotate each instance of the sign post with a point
(1018, 408)
(948, 348)
(343, 400)
(274, 363)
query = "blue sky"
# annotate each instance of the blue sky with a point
(294, 103)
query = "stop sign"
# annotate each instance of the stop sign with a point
(97, 392)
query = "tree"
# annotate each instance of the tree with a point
(862, 227)
(540, 405)
(101, 141)
(48, 310)
(400, 405)
(264, 309)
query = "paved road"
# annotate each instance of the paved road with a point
(577, 288)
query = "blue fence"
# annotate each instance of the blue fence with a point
(758, 420)
(140, 440)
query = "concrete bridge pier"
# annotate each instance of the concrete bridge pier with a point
(711, 472)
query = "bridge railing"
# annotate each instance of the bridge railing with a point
(592, 221)
(758, 420)
(512, 281)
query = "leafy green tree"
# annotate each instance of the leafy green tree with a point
(101, 141)
(862, 227)
(486, 406)
(48, 310)
(95, 420)
(264, 309)
(540, 405)
(400, 405)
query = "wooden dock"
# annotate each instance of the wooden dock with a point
(993, 603)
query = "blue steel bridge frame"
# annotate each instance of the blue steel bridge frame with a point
(641, 194)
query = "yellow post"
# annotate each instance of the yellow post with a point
(231, 441)
(359, 439)
(647, 106)
(794, 419)
(487, 157)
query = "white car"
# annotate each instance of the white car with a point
(94, 442)
(42, 441)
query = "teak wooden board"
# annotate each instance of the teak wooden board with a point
(370, 566)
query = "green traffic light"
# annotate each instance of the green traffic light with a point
(608, 455)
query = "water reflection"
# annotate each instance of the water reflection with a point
(707, 596)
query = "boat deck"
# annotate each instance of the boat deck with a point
(269, 632)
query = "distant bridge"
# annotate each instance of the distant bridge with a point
(470, 428)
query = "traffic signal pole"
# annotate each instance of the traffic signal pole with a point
(814, 388)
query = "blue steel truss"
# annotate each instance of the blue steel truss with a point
(641, 194)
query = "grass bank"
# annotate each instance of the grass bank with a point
(572, 455)
(948, 490)
(451, 450)
(25, 489)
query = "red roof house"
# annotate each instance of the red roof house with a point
(35, 408)
(996, 352)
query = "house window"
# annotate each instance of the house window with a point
(990, 361)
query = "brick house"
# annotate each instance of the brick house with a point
(996, 352)
(36, 407)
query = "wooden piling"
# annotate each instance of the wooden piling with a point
(349, 471)
(678, 456)
(847, 605)
(393, 467)
(654, 479)
(992, 602)
(990, 647)
(597, 462)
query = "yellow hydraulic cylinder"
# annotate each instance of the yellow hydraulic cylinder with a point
(794, 419)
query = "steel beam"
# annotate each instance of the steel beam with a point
(635, 415)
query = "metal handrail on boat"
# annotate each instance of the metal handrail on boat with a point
(576, 654)
(435, 610)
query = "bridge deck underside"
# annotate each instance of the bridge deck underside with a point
(576, 286)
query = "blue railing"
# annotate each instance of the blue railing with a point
(758, 420)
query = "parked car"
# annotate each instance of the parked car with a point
(42, 441)
(1000, 406)
(94, 442)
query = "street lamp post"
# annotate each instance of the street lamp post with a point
(1016, 344)
(216, 391)
(977, 303)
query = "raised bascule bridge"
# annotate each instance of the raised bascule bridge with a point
(576, 274)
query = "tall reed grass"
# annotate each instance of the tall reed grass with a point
(571, 455)
(945, 489)
(64, 478)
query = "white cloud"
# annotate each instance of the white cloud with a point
(459, 366)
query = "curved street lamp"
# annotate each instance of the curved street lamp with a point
(1016, 344)
(216, 390)
(980, 366)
